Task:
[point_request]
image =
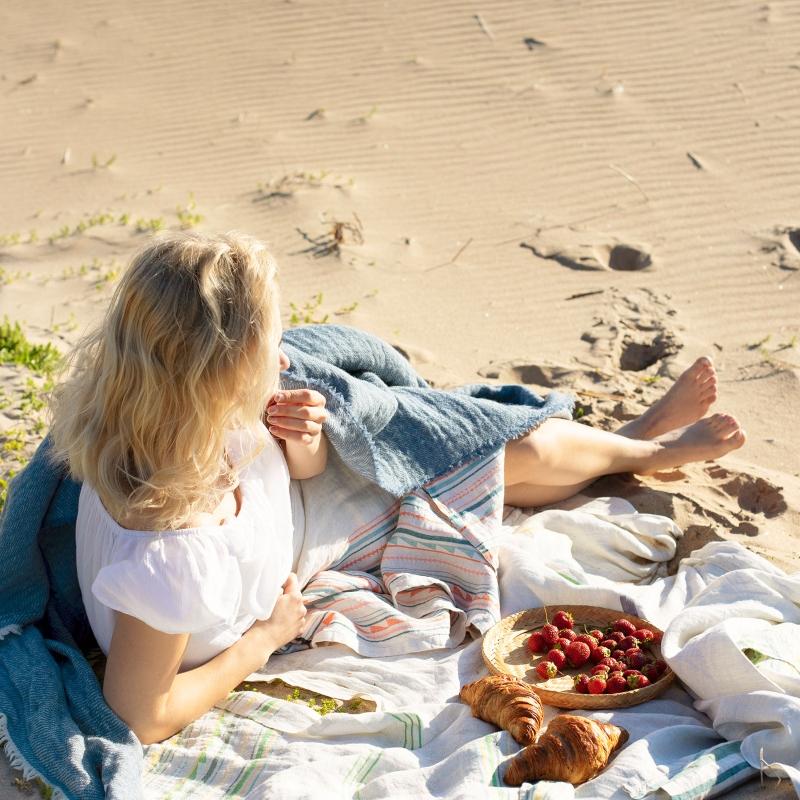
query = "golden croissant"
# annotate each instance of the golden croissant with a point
(572, 749)
(508, 702)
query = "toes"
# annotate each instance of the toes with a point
(708, 377)
(702, 371)
(730, 425)
(706, 362)
(723, 424)
(737, 439)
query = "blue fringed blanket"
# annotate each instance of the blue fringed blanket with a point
(385, 422)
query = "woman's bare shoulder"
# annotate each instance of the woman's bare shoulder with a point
(225, 511)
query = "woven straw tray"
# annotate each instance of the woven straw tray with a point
(505, 652)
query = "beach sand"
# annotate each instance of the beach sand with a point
(582, 195)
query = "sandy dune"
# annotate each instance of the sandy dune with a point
(581, 195)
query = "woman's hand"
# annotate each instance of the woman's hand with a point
(288, 618)
(295, 417)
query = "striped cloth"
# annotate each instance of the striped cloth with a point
(254, 746)
(420, 575)
(712, 773)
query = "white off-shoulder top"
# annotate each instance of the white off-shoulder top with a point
(212, 582)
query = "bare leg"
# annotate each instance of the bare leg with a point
(525, 495)
(561, 457)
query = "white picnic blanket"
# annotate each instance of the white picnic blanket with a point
(422, 742)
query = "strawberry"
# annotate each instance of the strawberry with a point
(601, 669)
(657, 636)
(563, 643)
(618, 654)
(581, 684)
(536, 642)
(616, 673)
(611, 644)
(637, 681)
(631, 672)
(550, 633)
(578, 653)
(650, 671)
(597, 684)
(546, 669)
(611, 663)
(587, 639)
(599, 653)
(644, 635)
(661, 666)
(628, 642)
(567, 633)
(597, 634)
(617, 636)
(563, 619)
(558, 657)
(616, 683)
(635, 657)
(625, 626)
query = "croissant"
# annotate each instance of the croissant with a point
(572, 749)
(508, 702)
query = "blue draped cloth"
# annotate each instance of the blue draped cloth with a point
(384, 421)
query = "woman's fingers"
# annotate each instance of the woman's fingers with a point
(314, 413)
(301, 397)
(291, 424)
(290, 584)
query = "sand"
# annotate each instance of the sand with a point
(582, 195)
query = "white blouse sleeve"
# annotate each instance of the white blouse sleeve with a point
(180, 583)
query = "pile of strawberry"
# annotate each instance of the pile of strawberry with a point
(619, 662)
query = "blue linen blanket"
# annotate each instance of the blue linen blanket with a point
(385, 422)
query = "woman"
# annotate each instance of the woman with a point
(186, 450)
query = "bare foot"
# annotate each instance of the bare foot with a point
(704, 440)
(687, 401)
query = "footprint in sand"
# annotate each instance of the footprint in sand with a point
(754, 494)
(638, 355)
(784, 243)
(588, 250)
(634, 331)
(522, 371)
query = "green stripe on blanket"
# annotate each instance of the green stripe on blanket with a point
(713, 772)
(226, 753)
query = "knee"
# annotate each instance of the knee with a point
(536, 444)
(533, 448)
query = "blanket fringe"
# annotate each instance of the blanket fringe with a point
(10, 629)
(18, 761)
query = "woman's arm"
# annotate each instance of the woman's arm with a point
(142, 684)
(306, 460)
(294, 418)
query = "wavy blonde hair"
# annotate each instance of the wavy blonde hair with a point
(188, 349)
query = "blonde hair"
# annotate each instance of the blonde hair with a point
(188, 349)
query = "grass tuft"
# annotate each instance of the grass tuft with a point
(149, 225)
(10, 238)
(308, 312)
(98, 164)
(331, 241)
(15, 348)
(187, 215)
